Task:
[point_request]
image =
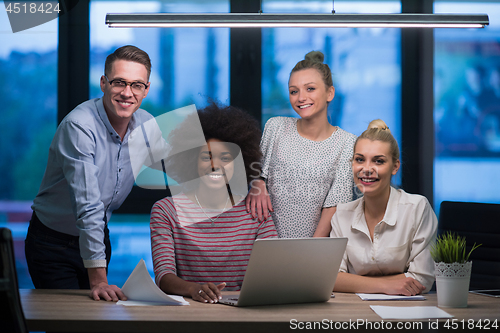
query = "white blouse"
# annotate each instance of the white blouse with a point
(401, 241)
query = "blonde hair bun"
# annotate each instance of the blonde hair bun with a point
(379, 131)
(380, 124)
(315, 56)
(314, 59)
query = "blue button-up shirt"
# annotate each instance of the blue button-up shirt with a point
(88, 175)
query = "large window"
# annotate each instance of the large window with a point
(192, 66)
(365, 64)
(28, 68)
(189, 66)
(467, 107)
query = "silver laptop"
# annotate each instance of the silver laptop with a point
(290, 270)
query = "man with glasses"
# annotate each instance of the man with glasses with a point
(88, 175)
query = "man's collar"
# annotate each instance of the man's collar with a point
(104, 117)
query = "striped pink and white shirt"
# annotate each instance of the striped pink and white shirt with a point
(186, 243)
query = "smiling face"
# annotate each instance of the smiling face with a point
(120, 104)
(215, 165)
(373, 166)
(309, 95)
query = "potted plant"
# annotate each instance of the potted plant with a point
(453, 268)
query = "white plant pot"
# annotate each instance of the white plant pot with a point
(452, 284)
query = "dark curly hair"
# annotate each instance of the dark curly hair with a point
(225, 123)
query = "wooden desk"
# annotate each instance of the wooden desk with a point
(73, 310)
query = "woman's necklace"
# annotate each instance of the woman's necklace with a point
(211, 219)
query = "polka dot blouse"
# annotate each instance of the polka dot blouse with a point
(303, 175)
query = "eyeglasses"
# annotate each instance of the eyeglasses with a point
(118, 85)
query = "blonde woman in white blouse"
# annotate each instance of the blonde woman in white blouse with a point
(389, 230)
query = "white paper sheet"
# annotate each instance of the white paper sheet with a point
(141, 290)
(409, 312)
(384, 297)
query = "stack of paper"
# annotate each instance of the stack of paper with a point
(140, 289)
(384, 297)
(409, 312)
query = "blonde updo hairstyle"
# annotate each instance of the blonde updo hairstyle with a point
(314, 59)
(379, 131)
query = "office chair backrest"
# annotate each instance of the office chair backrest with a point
(11, 313)
(480, 224)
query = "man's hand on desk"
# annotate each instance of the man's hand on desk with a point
(99, 287)
(107, 292)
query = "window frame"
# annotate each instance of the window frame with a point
(417, 62)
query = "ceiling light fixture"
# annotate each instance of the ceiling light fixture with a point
(261, 20)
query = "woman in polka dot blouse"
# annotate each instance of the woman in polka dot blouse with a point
(306, 161)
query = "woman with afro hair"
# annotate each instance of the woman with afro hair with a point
(202, 238)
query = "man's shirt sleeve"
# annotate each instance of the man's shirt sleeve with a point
(76, 148)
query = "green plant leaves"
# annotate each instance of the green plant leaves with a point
(450, 248)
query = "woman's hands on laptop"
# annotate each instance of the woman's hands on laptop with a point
(207, 293)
